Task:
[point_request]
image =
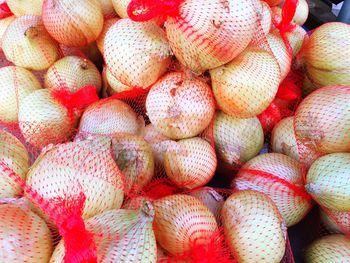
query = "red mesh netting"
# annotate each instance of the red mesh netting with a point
(119, 119)
(24, 236)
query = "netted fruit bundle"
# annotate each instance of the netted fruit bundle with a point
(26, 223)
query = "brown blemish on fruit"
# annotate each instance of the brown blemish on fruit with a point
(84, 65)
(173, 92)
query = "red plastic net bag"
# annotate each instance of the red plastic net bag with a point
(49, 115)
(90, 163)
(281, 178)
(24, 236)
(181, 94)
(63, 213)
(120, 236)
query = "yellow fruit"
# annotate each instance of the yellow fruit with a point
(328, 181)
(15, 156)
(43, 120)
(137, 54)
(322, 121)
(109, 117)
(254, 228)
(120, 7)
(236, 140)
(207, 34)
(327, 249)
(191, 163)
(134, 158)
(24, 236)
(179, 227)
(21, 8)
(301, 13)
(4, 23)
(247, 85)
(280, 52)
(73, 23)
(15, 84)
(72, 73)
(86, 166)
(326, 59)
(281, 178)
(180, 107)
(26, 43)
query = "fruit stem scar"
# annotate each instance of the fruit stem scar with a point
(216, 24)
(31, 32)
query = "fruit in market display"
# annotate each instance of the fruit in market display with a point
(328, 179)
(254, 228)
(15, 156)
(172, 131)
(90, 164)
(296, 39)
(113, 85)
(219, 33)
(264, 20)
(301, 12)
(283, 140)
(26, 43)
(179, 106)
(21, 8)
(136, 54)
(120, 7)
(72, 73)
(73, 23)
(236, 140)
(120, 236)
(43, 120)
(181, 222)
(280, 52)
(191, 163)
(24, 236)
(281, 178)
(109, 117)
(211, 198)
(321, 121)
(135, 160)
(157, 141)
(15, 84)
(331, 248)
(4, 23)
(247, 85)
(326, 55)
(106, 26)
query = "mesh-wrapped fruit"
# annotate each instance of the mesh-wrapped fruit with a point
(254, 228)
(180, 107)
(247, 85)
(281, 178)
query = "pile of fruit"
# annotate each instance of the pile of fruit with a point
(171, 131)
